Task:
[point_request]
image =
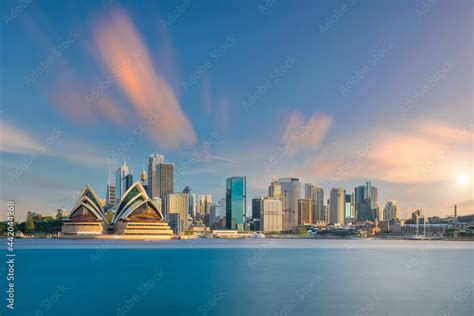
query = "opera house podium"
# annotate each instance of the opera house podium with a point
(135, 217)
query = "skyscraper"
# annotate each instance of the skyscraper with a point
(178, 203)
(257, 204)
(391, 211)
(165, 178)
(274, 190)
(271, 215)
(192, 201)
(290, 194)
(236, 201)
(204, 204)
(316, 194)
(336, 206)
(348, 208)
(153, 160)
(305, 212)
(121, 180)
(365, 202)
(110, 195)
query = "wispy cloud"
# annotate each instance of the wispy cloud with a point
(117, 37)
(13, 140)
(305, 134)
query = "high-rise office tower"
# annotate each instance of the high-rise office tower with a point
(290, 194)
(271, 215)
(336, 206)
(391, 211)
(316, 194)
(274, 190)
(110, 195)
(153, 160)
(305, 212)
(178, 203)
(204, 204)
(256, 210)
(348, 208)
(121, 180)
(236, 202)
(365, 202)
(192, 201)
(165, 177)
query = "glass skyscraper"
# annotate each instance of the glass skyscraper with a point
(366, 201)
(236, 202)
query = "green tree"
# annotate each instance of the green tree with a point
(30, 224)
(59, 215)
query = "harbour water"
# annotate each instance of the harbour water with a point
(242, 277)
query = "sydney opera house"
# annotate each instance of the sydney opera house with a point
(135, 216)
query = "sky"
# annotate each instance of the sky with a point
(335, 93)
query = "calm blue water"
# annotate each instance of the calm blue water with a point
(243, 277)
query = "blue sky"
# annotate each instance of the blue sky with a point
(343, 92)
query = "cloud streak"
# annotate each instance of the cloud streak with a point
(147, 91)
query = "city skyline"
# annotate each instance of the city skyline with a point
(166, 85)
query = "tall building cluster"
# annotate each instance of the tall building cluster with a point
(287, 206)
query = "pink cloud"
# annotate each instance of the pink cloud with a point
(119, 43)
(305, 134)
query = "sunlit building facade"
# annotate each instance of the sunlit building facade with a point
(236, 201)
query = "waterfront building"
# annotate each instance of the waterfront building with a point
(236, 202)
(87, 217)
(217, 213)
(192, 201)
(136, 216)
(256, 211)
(153, 160)
(365, 202)
(391, 211)
(316, 194)
(271, 215)
(274, 190)
(204, 204)
(348, 208)
(290, 194)
(178, 203)
(305, 212)
(336, 206)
